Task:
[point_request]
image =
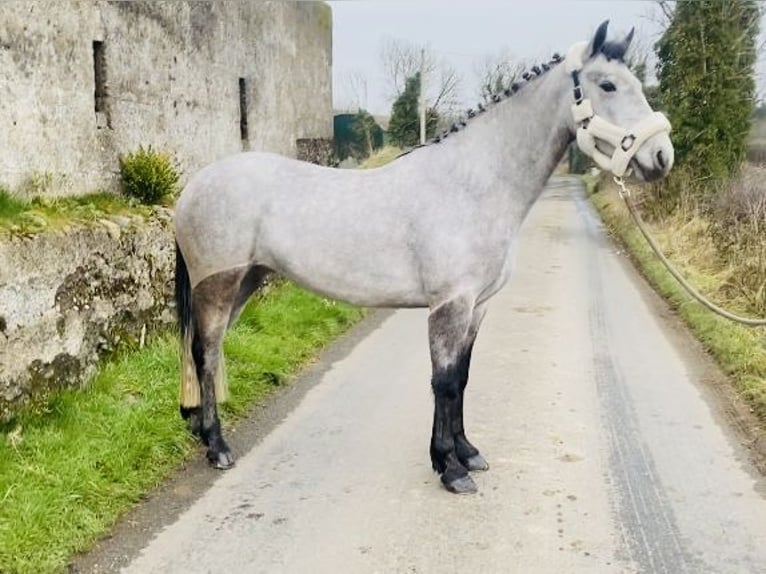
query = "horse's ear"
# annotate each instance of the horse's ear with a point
(628, 39)
(598, 39)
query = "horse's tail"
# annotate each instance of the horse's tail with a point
(190, 391)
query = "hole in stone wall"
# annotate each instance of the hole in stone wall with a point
(243, 128)
(100, 93)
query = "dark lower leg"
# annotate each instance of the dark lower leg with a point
(205, 358)
(448, 325)
(468, 454)
(193, 417)
(463, 447)
(444, 457)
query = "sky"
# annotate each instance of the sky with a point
(466, 33)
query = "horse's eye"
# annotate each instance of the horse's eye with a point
(607, 86)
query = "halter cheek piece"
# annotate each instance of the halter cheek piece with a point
(591, 127)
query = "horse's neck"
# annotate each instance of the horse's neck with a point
(520, 141)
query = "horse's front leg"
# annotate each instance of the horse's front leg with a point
(467, 453)
(449, 328)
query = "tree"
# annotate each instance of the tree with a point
(497, 74)
(356, 135)
(367, 134)
(404, 126)
(705, 71)
(353, 91)
(401, 61)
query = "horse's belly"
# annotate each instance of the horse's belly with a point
(330, 249)
(359, 286)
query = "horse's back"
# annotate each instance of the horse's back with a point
(338, 232)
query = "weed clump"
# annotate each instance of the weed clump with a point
(739, 224)
(148, 175)
(11, 205)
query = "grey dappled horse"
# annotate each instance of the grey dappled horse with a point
(436, 228)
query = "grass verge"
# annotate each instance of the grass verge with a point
(739, 350)
(68, 474)
(381, 157)
(27, 216)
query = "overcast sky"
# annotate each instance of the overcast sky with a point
(465, 33)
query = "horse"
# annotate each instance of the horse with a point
(435, 228)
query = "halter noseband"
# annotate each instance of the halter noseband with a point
(591, 127)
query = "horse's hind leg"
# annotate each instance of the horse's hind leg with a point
(448, 330)
(468, 454)
(213, 300)
(250, 283)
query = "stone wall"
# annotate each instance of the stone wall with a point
(84, 81)
(68, 298)
(317, 150)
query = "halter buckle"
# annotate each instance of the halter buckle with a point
(578, 95)
(627, 142)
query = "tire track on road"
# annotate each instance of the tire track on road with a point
(650, 534)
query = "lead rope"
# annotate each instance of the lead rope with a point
(625, 195)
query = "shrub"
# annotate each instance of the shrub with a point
(357, 135)
(738, 231)
(756, 152)
(404, 126)
(148, 175)
(705, 69)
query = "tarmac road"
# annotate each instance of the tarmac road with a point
(608, 445)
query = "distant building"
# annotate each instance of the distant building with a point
(83, 81)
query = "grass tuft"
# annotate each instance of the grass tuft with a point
(20, 216)
(381, 157)
(11, 206)
(67, 475)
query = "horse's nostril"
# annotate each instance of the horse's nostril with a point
(661, 160)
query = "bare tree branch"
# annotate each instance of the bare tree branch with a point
(497, 73)
(446, 90)
(401, 60)
(667, 11)
(354, 85)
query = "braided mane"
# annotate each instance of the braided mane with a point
(528, 76)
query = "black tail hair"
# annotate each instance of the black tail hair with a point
(183, 294)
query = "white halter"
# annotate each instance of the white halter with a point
(590, 127)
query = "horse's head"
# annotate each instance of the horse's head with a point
(612, 120)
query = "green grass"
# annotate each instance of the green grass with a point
(740, 351)
(22, 216)
(381, 157)
(68, 474)
(11, 206)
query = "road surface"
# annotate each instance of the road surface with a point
(608, 453)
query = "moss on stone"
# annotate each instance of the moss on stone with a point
(325, 16)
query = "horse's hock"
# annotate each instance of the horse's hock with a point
(69, 298)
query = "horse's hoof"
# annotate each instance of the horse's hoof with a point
(461, 485)
(222, 460)
(476, 462)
